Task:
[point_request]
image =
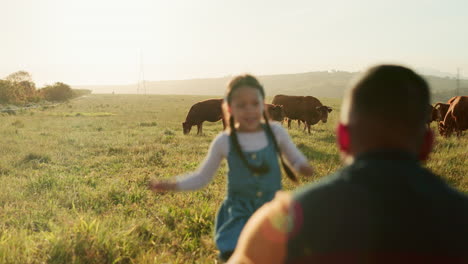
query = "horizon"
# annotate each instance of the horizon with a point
(125, 42)
(429, 72)
(435, 73)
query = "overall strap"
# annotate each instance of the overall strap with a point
(286, 168)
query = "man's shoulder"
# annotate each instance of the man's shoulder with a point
(326, 186)
(350, 185)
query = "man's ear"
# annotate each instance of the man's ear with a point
(343, 137)
(427, 145)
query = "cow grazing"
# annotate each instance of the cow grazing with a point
(456, 119)
(451, 99)
(209, 110)
(432, 115)
(275, 112)
(304, 108)
(440, 110)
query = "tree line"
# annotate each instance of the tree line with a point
(19, 88)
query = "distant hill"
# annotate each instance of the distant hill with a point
(319, 84)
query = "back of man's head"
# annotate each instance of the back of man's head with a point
(386, 108)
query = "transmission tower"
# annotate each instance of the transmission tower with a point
(141, 88)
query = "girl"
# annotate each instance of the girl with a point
(251, 148)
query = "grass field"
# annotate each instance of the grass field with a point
(74, 180)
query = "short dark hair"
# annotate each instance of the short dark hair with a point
(392, 93)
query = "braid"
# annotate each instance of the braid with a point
(286, 168)
(251, 81)
(263, 167)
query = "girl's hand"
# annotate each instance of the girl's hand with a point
(307, 170)
(161, 186)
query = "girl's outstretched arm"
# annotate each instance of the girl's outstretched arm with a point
(289, 150)
(306, 170)
(161, 186)
(203, 175)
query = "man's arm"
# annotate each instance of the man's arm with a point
(264, 237)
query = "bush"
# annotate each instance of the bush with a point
(18, 88)
(57, 92)
(7, 92)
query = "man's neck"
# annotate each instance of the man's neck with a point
(384, 152)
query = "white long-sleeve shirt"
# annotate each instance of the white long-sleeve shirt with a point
(249, 141)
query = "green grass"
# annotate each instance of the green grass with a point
(74, 186)
(78, 114)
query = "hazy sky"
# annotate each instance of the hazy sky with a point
(100, 41)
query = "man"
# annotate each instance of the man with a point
(383, 206)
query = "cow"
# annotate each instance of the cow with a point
(209, 110)
(304, 108)
(451, 99)
(439, 111)
(436, 113)
(456, 119)
(432, 115)
(299, 122)
(275, 112)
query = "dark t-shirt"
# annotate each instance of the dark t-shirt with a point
(384, 208)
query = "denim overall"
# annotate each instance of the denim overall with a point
(246, 192)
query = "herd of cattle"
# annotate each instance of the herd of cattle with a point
(306, 109)
(450, 117)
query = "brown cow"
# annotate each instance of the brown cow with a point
(456, 119)
(305, 108)
(451, 100)
(299, 122)
(439, 112)
(432, 115)
(275, 112)
(208, 110)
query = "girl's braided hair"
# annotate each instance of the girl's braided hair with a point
(251, 81)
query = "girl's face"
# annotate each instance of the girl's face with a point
(247, 108)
